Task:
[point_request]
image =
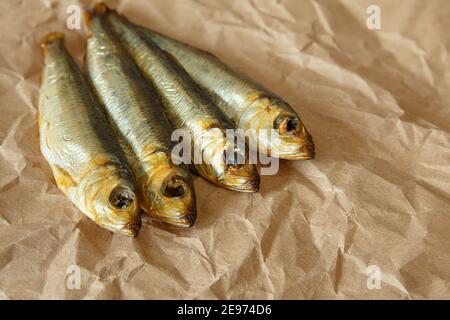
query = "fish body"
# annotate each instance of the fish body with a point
(188, 107)
(166, 190)
(75, 139)
(248, 104)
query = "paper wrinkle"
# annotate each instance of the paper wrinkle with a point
(322, 17)
(375, 102)
(273, 10)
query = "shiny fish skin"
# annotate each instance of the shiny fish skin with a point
(248, 104)
(188, 107)
(165, 189)
(85, 158)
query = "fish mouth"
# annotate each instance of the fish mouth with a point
(243, 178)
(304, 151)
(186, 220)
(130, 229)
(239, 175)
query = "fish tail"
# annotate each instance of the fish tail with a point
(98, 9)
(52, 37)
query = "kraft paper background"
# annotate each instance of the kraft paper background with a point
(377, 103)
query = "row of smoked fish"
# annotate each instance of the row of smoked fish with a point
(106, 132)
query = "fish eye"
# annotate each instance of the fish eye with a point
(175, 187)
(121, 197)
(286, 123)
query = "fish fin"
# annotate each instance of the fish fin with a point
(52, 37)
(63, 179)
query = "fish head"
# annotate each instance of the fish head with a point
(224, 162)
(168, 191)
(278, 129)
(107, 195)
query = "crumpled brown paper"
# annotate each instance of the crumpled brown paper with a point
(375, 201)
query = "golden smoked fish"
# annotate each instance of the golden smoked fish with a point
(188, 107)
(248, 104)
(75, 139)
(165, 189)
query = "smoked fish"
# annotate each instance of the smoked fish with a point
(86, 160)
(247, 103)
(224, 162)
(134, 111)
